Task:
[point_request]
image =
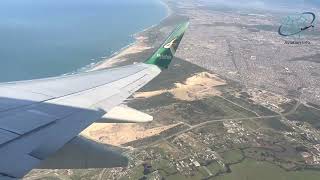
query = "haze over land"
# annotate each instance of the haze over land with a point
(237, 102)
(273, 5)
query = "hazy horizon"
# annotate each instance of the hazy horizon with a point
(276, 5)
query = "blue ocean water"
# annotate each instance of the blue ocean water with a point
(43, 38)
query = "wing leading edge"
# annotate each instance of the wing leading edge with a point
(39, 117)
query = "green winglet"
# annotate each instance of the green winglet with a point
(164, 55)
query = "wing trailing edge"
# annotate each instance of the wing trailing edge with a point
(125, 114)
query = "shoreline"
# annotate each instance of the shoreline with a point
(139, 45)
(118, 57)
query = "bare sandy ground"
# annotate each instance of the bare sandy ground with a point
(118, 134)
(196, 87)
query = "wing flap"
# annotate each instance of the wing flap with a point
(17, 122)
(11, 98)
(6, 136)
(60, 108)
(74, 113)
(124, 114)
(27, 151)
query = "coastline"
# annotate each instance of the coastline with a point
(118, 57)
(139, 45)
(138, 51)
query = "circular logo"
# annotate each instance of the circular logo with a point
(296, 24)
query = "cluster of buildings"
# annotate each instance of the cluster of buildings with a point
(312, 157)
(268, 99)
(309, 137)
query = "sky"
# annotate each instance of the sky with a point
(279, 5)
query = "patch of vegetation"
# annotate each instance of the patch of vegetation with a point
(306, 114)
(148, 140)
(260, 154)
(233, 156)
(251, 169)
(216, 168)
(137, 173)
(244, 95)
(197, 175)
(272, 123)
(287, 107)
(313, 105)
(284, 156)
(212, 108)
(276, 124)
(164, 99)
(267, 123)
(261, 110)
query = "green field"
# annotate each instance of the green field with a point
(306, 114)
(211, 108)
(268, 123)
(181, 177)
(261, 110)
(255, 170)
(287, 107)
(232, 156)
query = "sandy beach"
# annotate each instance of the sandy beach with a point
(138, 46)
(117, 134)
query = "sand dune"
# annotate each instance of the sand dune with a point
(117, 134)
(196, 87)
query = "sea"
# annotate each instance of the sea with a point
(44, 38)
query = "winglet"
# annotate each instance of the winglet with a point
(164, 55)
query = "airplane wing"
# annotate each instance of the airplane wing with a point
(38, 117)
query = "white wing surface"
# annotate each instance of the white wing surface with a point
(38, 117)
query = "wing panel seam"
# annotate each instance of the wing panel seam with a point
(70, 93)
